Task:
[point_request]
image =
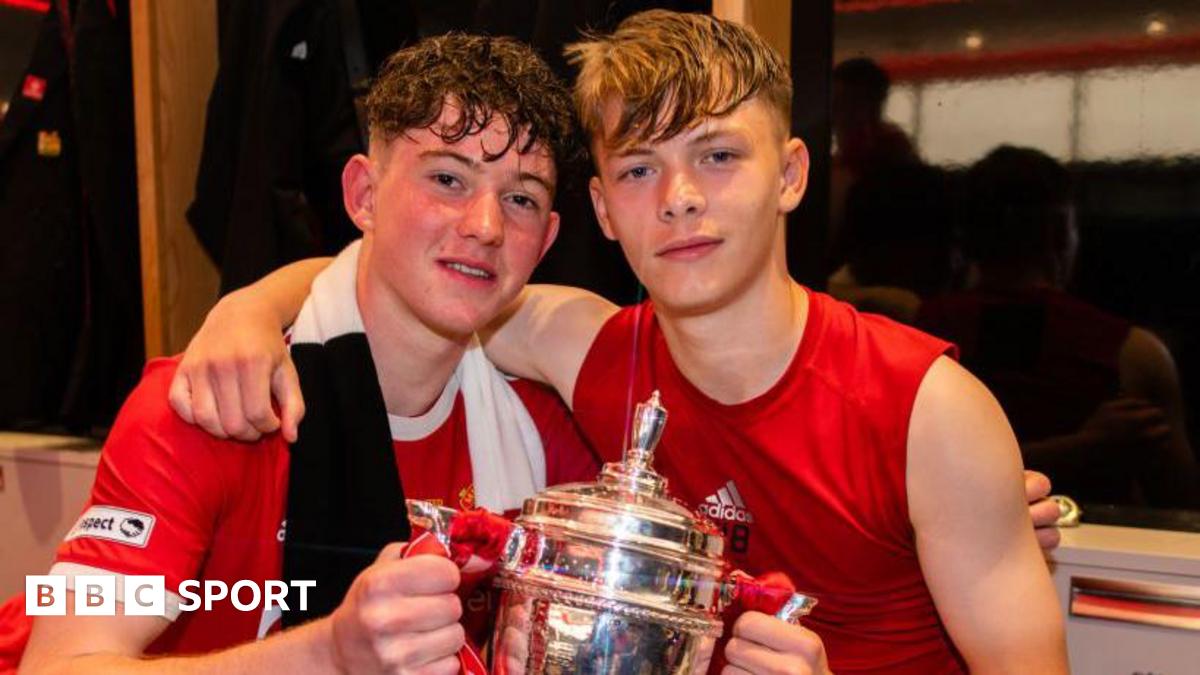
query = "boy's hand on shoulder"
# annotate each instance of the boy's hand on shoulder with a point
(232, 368)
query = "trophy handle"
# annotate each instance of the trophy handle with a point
(477, 536)
(434, 519)
(772, 593)
(441, 524)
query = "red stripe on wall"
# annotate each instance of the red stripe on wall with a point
(1130, 52)
(848, 6)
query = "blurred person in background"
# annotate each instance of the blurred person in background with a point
(899, 241)
(863, 140)
(1094, 400)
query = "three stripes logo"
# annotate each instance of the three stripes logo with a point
(726, 504)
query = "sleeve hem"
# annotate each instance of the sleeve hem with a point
(71, 570)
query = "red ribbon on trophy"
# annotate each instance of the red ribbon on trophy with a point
(772, 593)
(474, 541)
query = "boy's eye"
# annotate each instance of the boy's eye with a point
(721, 156)
(445, 179)
(524, 201)
(636, 172)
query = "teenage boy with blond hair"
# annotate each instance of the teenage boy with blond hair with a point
(849, 451)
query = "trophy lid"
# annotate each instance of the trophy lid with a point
(628, 506)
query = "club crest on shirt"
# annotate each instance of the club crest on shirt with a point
(466, 497)
(114, 524)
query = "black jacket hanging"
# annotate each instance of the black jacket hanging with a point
(279, 128)
(41, 260)
(70, 281)
(281, 124)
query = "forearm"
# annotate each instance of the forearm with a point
(305, 649)
(282, 292)
(546, 333)
(506, 339)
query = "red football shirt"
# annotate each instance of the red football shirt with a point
(213, 509)
(807, 478)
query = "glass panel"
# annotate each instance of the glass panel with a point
(1023, 178)
(959, 117)
(1139, 114)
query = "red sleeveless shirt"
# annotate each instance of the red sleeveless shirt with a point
(807, 478)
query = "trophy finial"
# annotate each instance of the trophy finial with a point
(636, 471)
(649, 419)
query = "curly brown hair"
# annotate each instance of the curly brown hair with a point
(483, 77)
(670, 70)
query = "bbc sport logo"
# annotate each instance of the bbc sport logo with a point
(99, 595)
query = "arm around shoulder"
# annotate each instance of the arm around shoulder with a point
(546, 334)
(238, 359)
(976, 546)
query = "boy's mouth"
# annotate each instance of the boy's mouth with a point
(690, 248)
(468, 268)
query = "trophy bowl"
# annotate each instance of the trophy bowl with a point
(615, 576)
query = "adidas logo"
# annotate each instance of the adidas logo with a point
(726, 504)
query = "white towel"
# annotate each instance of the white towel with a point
(508, 462)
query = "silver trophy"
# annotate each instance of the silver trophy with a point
(614, 576)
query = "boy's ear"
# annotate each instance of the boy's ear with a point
(358, 191)
(596, 190)
(551, 234)
(795, 174)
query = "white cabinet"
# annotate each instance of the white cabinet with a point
(1131, 599)
(44, 481)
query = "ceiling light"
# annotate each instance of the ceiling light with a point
(1156, 27)
(973, 40)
